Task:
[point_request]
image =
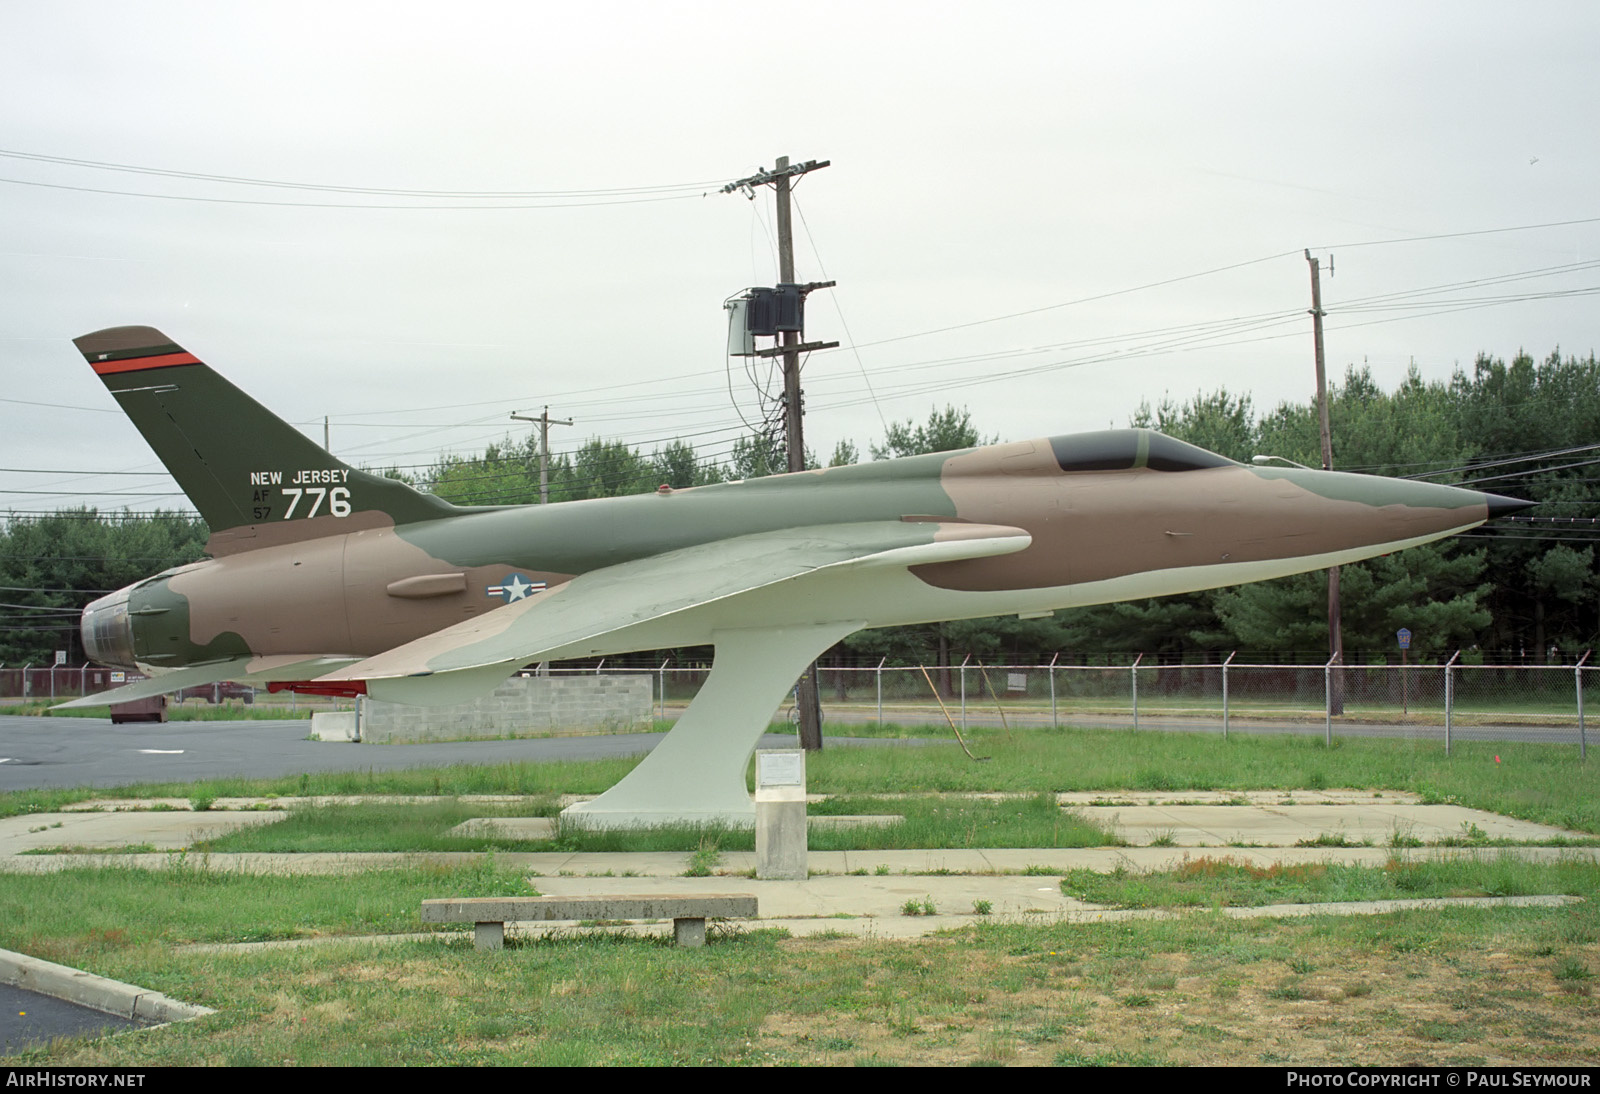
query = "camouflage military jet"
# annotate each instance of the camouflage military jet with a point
(327, 579)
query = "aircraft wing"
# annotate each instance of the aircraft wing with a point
(245, 670)
(674, 599)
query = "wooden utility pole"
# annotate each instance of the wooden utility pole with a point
(1335, 629)
(544, 422)
(793, 413)
(807, 700)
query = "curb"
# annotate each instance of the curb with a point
(95, 992)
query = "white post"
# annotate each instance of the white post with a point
(964, 690)
(1054, 722)
(1225, 665)
(781, 814)
(1577, 675)
(662, 673)
(879, 674)
(1449, 699)
(1327, 700)
(1135, 671)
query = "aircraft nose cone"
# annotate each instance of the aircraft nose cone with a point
(1500, 506)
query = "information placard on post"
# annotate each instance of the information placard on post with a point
(781, 814)
(781, 775)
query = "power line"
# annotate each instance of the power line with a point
(1444, 307)
(1535, 539)
(1459, 235)
(1523, 275)
(99, 493)
(1517, 458)
(834, 296)
(70, 471)
(1196, 344)
(30, 589)
(1082, 299)
(88, 558)
(1525, 474)
(387, 191)
(62, 406)
(345, 204)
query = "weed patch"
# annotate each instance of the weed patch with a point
(1227, 882)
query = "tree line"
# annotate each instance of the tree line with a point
(507, 473)
(1531, 594)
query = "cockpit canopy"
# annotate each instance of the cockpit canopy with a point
(1126, 449)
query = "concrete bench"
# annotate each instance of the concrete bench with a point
(688, 912)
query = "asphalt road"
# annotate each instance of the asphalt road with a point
(38, 752)
(28, 1019)
(65, 752)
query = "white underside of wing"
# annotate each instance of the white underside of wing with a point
(241, 670)
(681, 598)
(877, 589)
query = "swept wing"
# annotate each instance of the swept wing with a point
(678, 598)
(244, 670)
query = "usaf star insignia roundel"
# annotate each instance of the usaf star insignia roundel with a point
(515, 587)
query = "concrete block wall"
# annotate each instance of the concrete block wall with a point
(522, 706)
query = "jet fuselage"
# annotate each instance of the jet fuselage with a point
(1110, 516)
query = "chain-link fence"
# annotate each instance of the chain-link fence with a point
(1446, 702)
(44, 682)
(1428, 702)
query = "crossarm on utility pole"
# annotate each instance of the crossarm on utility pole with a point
(544, 422)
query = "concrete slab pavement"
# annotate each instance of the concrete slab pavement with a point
(804, 915)
(740, 864)
(1294, 825)
(1184, 819)
(863, 894)
(868, 887)
(162, 830)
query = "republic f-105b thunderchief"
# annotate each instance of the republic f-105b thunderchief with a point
(330, 580)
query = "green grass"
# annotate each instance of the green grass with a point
(938, 822)
(930, 822)
(80, 849)
(1221, 881)
(1542, 707)
(1182, 991)
(589, 777)
(1538, 782)
(1163, 992)
(377, 827)
(74, 915)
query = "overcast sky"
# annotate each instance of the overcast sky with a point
(986, 160)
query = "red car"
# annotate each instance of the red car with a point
(216, 693)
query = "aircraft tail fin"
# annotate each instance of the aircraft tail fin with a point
(255, 479)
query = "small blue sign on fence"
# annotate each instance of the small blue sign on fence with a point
(1404, 634)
